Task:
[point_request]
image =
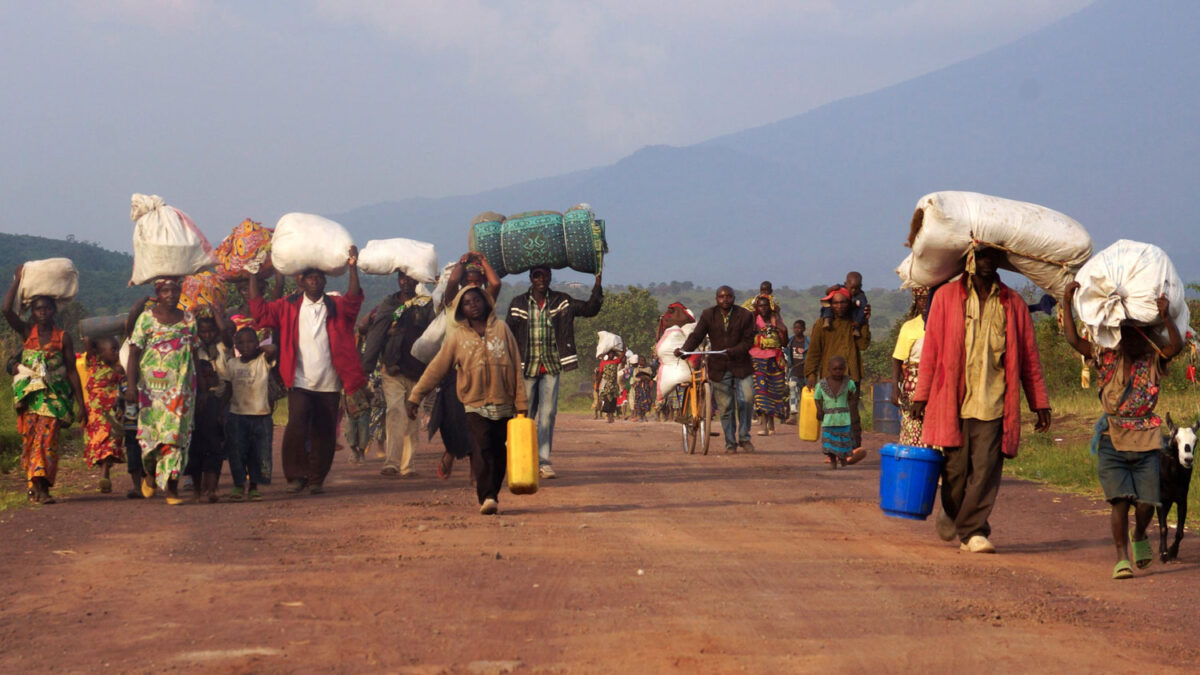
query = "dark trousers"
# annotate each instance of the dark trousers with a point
(489, 454)
(971, 477)
(312, 420)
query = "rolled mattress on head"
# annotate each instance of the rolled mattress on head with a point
(1044, 245)
(516, 244)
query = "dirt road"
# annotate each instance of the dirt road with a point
(638, 559)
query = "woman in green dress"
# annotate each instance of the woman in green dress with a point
(161, 379)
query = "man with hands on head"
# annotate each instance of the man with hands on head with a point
(318, 359)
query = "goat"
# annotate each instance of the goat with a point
(1174, 478)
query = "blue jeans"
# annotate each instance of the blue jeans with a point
(728, 391)
(541, 392)
(248, 446)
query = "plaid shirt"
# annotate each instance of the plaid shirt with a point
(543, 352)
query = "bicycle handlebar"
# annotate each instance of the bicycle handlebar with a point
(704, 353)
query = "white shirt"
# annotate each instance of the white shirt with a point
(314, 359)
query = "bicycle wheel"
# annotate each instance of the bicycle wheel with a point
(688, 423)
(706, 419)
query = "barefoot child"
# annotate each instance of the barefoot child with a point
(1128, 435)
(105, 414)
(206, 452)
(834, 395)
(248, 426)
(44, 388)
(484, 352)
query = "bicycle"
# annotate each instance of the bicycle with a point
(695, 414)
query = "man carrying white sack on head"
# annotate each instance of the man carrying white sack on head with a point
(318, 358)
(398, 321)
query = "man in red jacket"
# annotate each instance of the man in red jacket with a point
(318, 358)
(979, 353)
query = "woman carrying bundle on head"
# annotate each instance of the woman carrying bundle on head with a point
(45, 385)
(161, 379)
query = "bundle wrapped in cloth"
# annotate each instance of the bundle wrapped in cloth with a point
(53, 277)
(304, 241)
(1121, 286)
(205, 289)
(166, 243)
(573, 239)
(246, 251)
(606, 342)
(417, 259)
(1045, 246)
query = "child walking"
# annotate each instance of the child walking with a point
(485, 354)
(45, 386)
(206, 452)
(1128, 435)
(834, 395)
(104, 429)
(248, 426)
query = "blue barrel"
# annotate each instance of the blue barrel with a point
(885, 417)
(908, 479)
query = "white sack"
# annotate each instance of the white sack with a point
(607, 342)
(1044, 245)
(305, 241)
(416, 259)
(1121, 285)
(53, 277)
(426, 347)
(166, 243)
(443, 280)
(672, 371)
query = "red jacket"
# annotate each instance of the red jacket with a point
(941, 380)
(284, 315)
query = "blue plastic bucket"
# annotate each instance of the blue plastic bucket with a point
(885, 417)
(908, 479)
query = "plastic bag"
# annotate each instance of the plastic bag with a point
(607, 342)
(1044, 245)
(53, 277)
(1122, 284)
(166, 243)
(416, 259)
(305, 241)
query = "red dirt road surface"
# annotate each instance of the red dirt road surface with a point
(637, 559)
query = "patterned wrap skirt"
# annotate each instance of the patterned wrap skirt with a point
(910, 427)
(770, 387)
(837, 441)
(39, 451)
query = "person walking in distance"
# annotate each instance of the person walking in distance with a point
(979, 353)
(729, 328)
(543, 322)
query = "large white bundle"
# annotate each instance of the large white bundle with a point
(166, 243)
(606, 342)
(426, 347)
(305, 241)
(53, 277)
(416, 259)
(1122, 284)
(672, 371)
(1044, 245)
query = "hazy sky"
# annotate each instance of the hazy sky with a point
(235, 109)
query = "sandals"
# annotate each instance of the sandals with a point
(1123, 570)
(148, 488)
(1142, 555)
(856, 455)
(105, 485)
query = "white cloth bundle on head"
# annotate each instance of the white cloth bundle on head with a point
(417, 259)
(166, 243)
(1044, 245)
(607, 342)
(53, 277)
(1122, 284)
(304, 241)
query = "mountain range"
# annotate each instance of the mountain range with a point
(1093, 116)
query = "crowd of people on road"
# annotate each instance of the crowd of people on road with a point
(193, 389)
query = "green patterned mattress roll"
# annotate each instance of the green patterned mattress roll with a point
(527, 240)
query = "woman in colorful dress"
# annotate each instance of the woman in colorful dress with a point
(44, 388)
(905, 360)
(161, 378)
(105, 430)
(607, 385)
(642, 388)
(770, 369)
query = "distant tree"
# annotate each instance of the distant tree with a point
(632, 314)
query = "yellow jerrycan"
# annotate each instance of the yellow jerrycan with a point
(522, 456)
(810, 429)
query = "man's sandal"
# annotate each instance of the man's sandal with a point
(1123, 570)
(1142, 555)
